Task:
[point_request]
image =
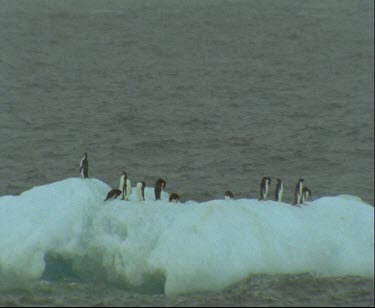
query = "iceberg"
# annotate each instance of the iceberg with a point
(184, 247)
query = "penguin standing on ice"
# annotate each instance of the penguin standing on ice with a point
(306, 194)
(141, 190)
(228, 195)
(84, 167)
(174, 197)
(122, 185)
(279, 191)
(126, 186)
(160, 184)
(264, 187)
(298, 192)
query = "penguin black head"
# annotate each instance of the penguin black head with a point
(174, 197)
(228, 195)
(300, 180)
(162, 183)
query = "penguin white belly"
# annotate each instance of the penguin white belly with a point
(121, 183)
(281, 191)
(299, 198)
(266, 191)
(128, 189)
(300, 195)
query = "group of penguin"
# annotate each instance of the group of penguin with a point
(301, 192)
(125, 187)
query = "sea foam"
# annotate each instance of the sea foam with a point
(185, 247)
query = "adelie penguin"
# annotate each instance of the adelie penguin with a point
(84, 167)
(279, 191)
(264, 187)
(159, 187)
(228, 195)
(306, 194)
(298, 192)
(113, 194)
(174, 197)
(141, 190)
(125, 186)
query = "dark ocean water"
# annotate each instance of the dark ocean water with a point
(258, 291)
(209, 95)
